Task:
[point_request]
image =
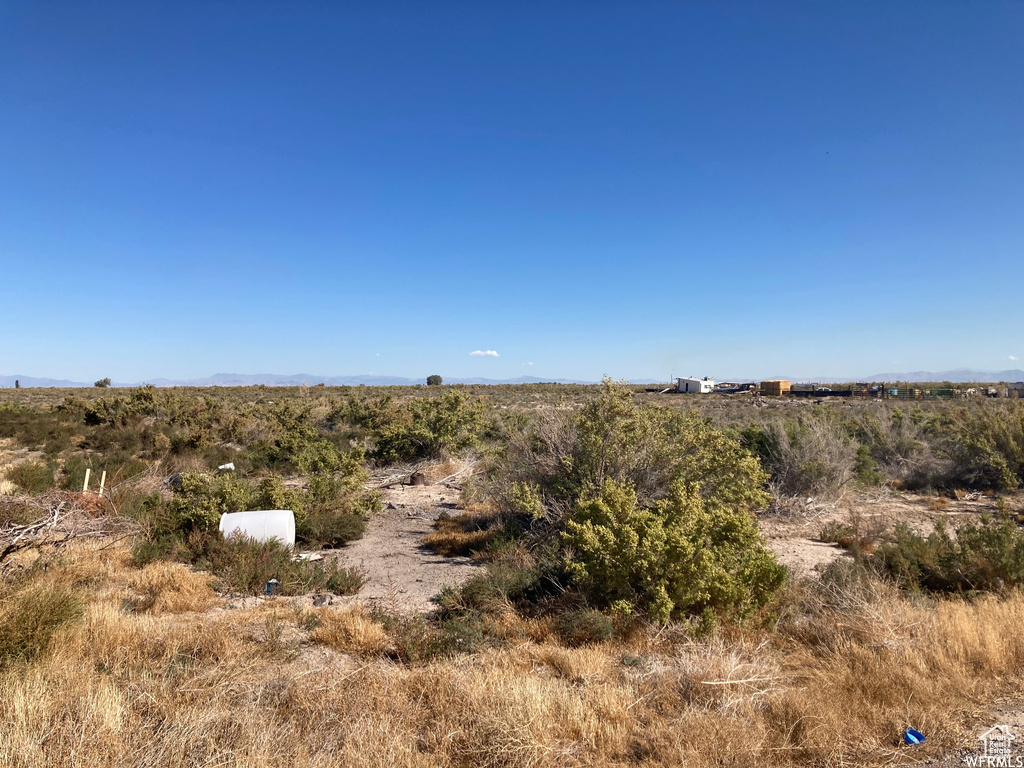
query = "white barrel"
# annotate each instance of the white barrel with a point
(260, 525)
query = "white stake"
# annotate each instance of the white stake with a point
(103, 480)
(85, 485)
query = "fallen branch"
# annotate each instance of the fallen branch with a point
(62, 522)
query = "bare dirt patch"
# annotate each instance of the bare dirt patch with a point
(402, 574)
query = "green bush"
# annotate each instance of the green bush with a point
(677, 558)
(429, 428)
(16, 511)
(554, 460)
(834, 531)
(988, 556)
(457, 635)
(199, 500)
(324, 528)
(584, 626)
(30, 618)
(330, 514)
(434, 380)
(866, 468)
(74, 472)
(246, 566)
(813, 456)
(986, 445)
(502, 583)
(31, 476)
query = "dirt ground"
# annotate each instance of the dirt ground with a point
(402, 574)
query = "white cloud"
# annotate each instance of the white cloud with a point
(1013, 357)
(484, 353)
(376, 354)
(527, 363)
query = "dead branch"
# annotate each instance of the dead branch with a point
(62, 521)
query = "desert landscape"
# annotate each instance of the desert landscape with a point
(449, 614)
(511, 385)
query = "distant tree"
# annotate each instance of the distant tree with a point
(434, 380)
(103, 382)
(17, 384)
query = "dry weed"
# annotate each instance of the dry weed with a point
(462, 535)
(351, 630)
(158, 688)
(171, 588)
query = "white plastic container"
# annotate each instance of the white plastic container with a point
(260, 525)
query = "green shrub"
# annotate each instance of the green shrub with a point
(434, 380)
(987, 556)
(554, 460)
(834, 531)
(986, 445)
(584, 626)
(503, 582)
(30, 618)
(74, 472)
(416, 639)
(31, 476)
(323, 528)
(677, 558)
(813, 456)
(330, 514)
(246, 566)
(429, 428)
(866, 468)
(457, 635)
(340, 581)
(199, 500)
(16, 511)
(899, 446)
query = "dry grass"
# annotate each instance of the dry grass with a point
(834, 684)
(170, 588)
(349, 631)
(462, 535)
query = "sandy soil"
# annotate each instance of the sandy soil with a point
(402, 574)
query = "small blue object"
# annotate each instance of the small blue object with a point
(913, 737)
(273, 584)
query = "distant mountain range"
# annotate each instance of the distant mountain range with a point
(369, 380)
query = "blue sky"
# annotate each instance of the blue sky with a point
(632, 189)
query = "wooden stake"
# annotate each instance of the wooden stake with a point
(103, 480)
(85, 485)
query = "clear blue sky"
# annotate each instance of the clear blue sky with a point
(632, 188)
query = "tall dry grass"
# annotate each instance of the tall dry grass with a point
(186, 683)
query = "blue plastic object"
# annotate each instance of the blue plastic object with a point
(913, 737)
(273, 585)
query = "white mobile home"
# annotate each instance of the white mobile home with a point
(697, 386)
